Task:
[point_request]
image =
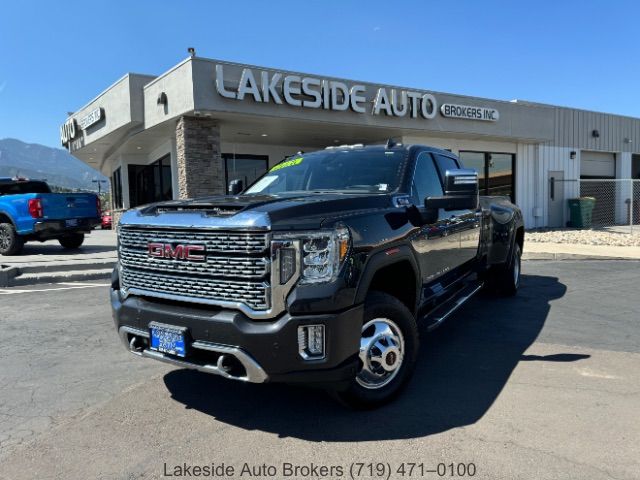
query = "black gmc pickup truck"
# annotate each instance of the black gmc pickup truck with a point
(320, 272)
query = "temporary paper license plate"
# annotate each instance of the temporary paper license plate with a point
(71, 223)
(168, 339)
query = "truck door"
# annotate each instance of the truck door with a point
(465, 223)
(436, 245)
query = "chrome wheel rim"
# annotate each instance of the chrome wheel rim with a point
(381, 353)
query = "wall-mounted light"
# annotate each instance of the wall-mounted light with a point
(627, 140)
(595, 134)
(572, 154)
(162, 99)
(192, 51)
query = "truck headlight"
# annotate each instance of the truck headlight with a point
(322, 254)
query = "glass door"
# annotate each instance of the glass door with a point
(247, 168)
(150, 183)
(476, 161)
(495, 172)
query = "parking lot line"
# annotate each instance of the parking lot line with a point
(68, 286)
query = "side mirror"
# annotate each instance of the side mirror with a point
(235, 187)
(460, 191)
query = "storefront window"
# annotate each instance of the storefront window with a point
(476, 161)
(116, 188)
(247, 168)
(150, 183)
(495, 171)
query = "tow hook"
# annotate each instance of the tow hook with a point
(133, 345)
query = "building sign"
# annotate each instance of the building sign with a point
(467, 112)
(311, 92)
(71, 129)
(93, 117)
(68, 131)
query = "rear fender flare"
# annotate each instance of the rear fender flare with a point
(7, 215)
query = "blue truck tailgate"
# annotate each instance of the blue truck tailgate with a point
(63, 206)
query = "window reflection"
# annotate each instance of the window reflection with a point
(247, 168)
(495, 171)
(150, 183)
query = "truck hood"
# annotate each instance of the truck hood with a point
(292, 211)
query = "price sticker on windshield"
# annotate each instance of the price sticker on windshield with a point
(288, 163)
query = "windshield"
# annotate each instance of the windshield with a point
(16, 188)
(346, 170)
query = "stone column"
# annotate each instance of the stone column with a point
(200, 168)
(116, 214)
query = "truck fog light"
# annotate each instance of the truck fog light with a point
(311, 342)
(287, 264)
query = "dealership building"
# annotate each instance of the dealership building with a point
(189, 131)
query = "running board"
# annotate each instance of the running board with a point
(436, 317)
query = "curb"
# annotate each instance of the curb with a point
(7, 273)
(57, 277)
(54, 272)
(538, 256)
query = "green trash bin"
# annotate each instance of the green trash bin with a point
(581, 210)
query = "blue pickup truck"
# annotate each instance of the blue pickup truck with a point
(30, 212)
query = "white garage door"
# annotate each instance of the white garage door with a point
(597, 164)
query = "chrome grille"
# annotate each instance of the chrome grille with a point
(253, 294)
(228, 242)
(236, 268)
(243, 267)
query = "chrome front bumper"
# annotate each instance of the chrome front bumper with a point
(254, 373)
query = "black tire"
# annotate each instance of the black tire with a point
(506, 280)
(384, 309)
(10, 242)
(72, 240)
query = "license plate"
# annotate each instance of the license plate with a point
(168, 339)
(71, 223)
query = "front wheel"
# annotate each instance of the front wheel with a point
(388, 350)
(72, 240)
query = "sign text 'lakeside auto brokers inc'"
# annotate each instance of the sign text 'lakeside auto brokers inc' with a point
(313, 92)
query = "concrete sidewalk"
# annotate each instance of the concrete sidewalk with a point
(98, 245)
(561, 251)
(48, 262)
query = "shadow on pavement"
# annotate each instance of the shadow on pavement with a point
(462, 368)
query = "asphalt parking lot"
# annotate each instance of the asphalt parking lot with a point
(545, 385)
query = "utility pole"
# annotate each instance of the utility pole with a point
(99, 182)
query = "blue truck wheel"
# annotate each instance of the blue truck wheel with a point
(10, 242)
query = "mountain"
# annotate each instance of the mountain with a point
(56, 165)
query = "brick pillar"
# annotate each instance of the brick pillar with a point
(200, 168)
(115, 216)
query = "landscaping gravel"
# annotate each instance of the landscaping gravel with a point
(617, 236)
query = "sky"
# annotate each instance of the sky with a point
(55, 56)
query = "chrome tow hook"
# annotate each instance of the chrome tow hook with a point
(133, 345)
